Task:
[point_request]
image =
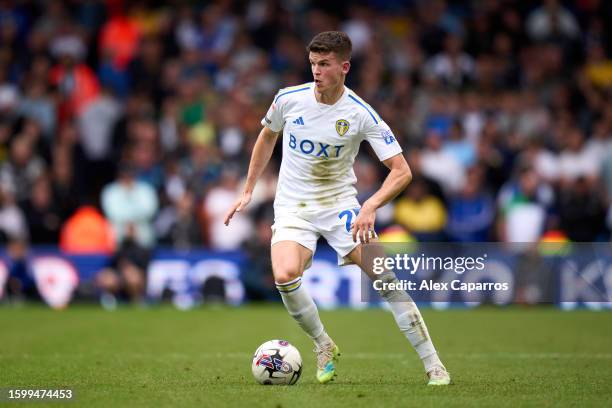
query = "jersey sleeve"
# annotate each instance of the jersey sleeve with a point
(381, 138)
(274, 117)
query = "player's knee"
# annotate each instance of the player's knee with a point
(390, 288)
(285, 268)
(284, 273)
(286, 276)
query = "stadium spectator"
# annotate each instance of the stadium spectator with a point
(136, 107)
(77, 83)
(552, 22)
(180, 95)
(436, 21)
(440, 165)
(458, 147)
(87, 232)
(13, 223)
(143, 152)
(471, 213)
(599, 145)
(576, 161)
(177, 224)
(359, 29)
(125, 275)
(452, 67)
(606, 177)
(222, 237)
(200, 169)
(367, 177)
(21, 283)
(9, 95)
(95, 126)
(169, 131)
(42, 213)
(38, 105)
(145, 70)
(544, 161)
(71, 175)
(22, 167)
(258, 281)
(118, 39)
(421, 213)
(524, 203)
(598, 67)
(130, 206)
(266, 187)
(6, 130)
(216, 35)
(582, 212)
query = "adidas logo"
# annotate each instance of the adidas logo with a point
(299, 121)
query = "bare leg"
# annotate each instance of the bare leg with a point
(289, 259)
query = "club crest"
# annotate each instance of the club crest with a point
(342, 126)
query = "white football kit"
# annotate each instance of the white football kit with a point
(315, 194)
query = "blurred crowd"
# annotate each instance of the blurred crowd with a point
(126, 125)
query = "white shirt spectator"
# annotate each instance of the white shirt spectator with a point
(541, 22)
(225, 238)
(444, 168)
(454, 70)
(96, 126)
(12, 222)
(131, 204)
(599, 149)
(546, 164)
(358, 30)
(578, 164)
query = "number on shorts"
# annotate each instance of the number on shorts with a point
(349, 217)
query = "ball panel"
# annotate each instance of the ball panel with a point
(276, 362)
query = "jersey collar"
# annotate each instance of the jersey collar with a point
(324, 106)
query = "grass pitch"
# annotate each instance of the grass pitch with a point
(164, 357)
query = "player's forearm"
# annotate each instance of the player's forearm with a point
(395, 182)
(262, 152)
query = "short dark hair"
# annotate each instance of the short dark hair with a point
(332, 41)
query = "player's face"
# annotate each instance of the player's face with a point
(327, 70)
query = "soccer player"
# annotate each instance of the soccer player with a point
(323, 123)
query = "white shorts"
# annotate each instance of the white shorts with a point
(305, 228)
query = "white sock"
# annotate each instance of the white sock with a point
(411, 323)
(302, 308)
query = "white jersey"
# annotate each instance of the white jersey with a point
(320, 143)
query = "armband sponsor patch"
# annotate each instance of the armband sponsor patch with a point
(387, 136)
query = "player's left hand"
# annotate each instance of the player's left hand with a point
(363, 227)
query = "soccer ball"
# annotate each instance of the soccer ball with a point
(276, 362)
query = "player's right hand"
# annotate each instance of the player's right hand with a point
(237, 207)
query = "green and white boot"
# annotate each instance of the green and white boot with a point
(327, 358)
(438, 376)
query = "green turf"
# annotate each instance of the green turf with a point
(163, 357)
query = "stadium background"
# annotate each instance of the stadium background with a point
(502, 107)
